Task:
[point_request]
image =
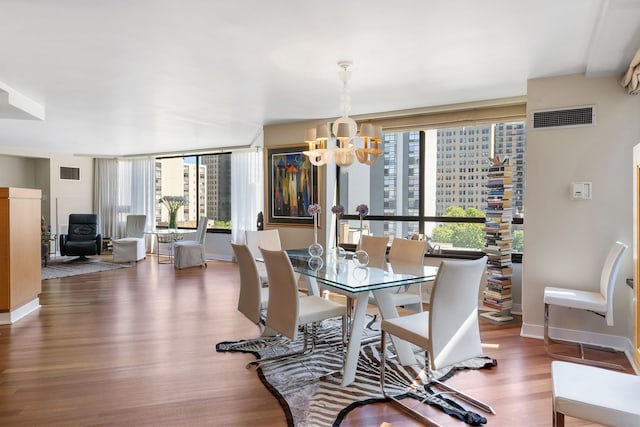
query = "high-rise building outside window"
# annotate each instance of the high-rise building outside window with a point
(452, 185)
(204, 181)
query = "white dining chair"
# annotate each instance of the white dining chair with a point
(253, 296)
(599, 302)
(268, 239)
(375, 247)
(449, 332)
(191, 253)
(408, 252)
(132, 247)
(287, 311)
(594, 394)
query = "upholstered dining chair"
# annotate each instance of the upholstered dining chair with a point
(253, 297)
(375, 247)
(191, 253)
(82, 238)
(594, 394)
(408, 252)
(449, 332)
(267, 239)
(286, 310)
(132, 247)
(599, 302)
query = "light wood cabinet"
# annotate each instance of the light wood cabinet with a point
(20, 247)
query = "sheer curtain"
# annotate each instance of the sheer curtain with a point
(247, 190)
(123, 187)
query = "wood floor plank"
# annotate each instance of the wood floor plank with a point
(136, 347)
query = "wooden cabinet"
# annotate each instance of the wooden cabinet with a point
(20, 248)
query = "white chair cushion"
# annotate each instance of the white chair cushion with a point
(313, 309)
(583, 300)
(129, 249)
(596, 394)
(413, 328)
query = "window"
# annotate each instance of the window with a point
(205, 182)
(420, 188)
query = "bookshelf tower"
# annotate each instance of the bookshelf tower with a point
(499, 213)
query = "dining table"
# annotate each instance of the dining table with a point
(349, 276)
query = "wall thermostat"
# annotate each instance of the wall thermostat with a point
(580, 190)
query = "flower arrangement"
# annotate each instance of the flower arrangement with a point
(315, 249)
(338, 210)
(314, 209)
(173, 204)
(362, 210)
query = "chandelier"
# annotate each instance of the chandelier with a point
(344, 130)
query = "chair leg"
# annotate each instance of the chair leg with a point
(398, 404)
(548, 341)
(305, 352)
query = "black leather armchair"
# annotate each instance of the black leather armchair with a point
(82, 238)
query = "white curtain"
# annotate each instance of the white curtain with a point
(105, 195)
(247, 191)
(124, 187)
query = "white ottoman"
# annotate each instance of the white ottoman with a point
(599, 395)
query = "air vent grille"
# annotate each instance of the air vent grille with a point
(70, 173)
(566, 117)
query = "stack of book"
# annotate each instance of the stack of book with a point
(499, 213)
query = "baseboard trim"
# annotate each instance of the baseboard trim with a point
(20, 312)
(615, 342)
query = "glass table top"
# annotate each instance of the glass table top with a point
(347, 275)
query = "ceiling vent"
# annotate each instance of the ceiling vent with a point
(564, 117)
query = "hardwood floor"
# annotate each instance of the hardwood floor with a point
(136, 347)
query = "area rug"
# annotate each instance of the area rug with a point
(309, 390)
(61, 267)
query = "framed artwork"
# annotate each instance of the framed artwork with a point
(292, 185)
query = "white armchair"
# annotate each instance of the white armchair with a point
(131, 248)
(190, 253)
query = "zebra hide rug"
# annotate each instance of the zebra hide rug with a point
(309, 390)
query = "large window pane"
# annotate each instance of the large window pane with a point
(453, 182)
(205, 182)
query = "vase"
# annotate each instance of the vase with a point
(173, 223)
(337, 251)
(315, 249)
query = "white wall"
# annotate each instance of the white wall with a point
(566, 241)
(22, 168)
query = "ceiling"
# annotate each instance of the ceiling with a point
(127, 77)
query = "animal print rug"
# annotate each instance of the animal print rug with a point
(309, 390)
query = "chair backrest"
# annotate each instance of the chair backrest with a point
(609, 275)
(375, 247)
(201, 233)
(135, 226)
(249, 300)
(453, 312)
(83, 227)
(267, 239)
(411, 251)
(282, 309)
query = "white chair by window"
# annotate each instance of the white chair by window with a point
(286, 310)
(599, 302)
(132, 247)
(449, 332)
(191, 253)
